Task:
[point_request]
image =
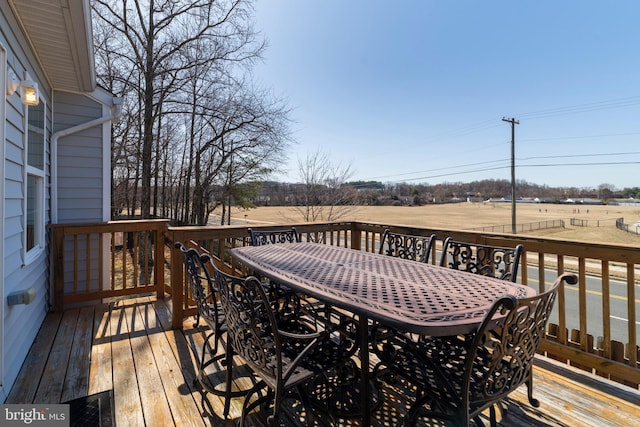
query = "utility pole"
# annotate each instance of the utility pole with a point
(513, 122)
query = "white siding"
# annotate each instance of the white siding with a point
(80, 181)
(80, 160)
(21, 322)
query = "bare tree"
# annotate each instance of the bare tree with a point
(605, 191)
(323, 195)
(184, 67)
(238, 136)
(149, 39)
(145, 53)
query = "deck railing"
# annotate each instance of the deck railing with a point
(106, 260)
(584, 330)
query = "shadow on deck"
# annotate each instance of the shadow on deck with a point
(127, 347)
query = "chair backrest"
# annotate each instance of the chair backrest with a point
(267, 237)
(251, 324)
(500, 356)
(201, 285)
(407, 246)
(495, 261)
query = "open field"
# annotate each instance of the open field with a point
(600, 219)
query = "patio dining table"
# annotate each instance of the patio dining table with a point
(412, 296)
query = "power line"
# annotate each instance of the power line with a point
(569, 156)
(545, 113)
(450, 168)
(580, 137)
(488, 169)
(456, 173)
(637, 162)
(472, 128)
(438, 169)
(583, 108)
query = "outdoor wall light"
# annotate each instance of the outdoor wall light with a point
(29, 92)
(25, 296)
(28, 89)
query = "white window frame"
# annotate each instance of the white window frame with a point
(30, 255)
(3, 106)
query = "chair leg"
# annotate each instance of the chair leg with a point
(274, 418)
(532, 400)
(503, 408)
(196, 324)
(202, 356)
(202, 365)
(228, 379)
(492, 415)
(227, 362)
(478, 422)
(306, 404)
(248, 406)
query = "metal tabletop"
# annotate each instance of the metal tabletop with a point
(413, 296)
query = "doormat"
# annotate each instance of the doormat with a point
(95, 410)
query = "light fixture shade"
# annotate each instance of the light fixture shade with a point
(29, 92)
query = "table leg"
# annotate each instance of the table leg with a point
(347, 391)
(363, 332)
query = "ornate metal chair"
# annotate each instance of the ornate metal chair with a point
(285, 353)
(205, 295)
(289, 299)
(495, 261)
(407, 246)
(458, 377)
(266, 237)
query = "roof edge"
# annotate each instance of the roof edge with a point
(77, 15)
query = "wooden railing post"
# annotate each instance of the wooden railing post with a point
(57, 245)
(158, 255)
(356, 236)
(177, 282)
(631, 313)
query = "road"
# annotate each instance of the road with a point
(618, 305)
(617, 298)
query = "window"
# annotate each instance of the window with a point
(34, 203)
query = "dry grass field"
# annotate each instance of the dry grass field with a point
(599, 220)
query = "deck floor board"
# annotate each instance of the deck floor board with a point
(127, 346)
(76, 383)
(55, 370)
(128, 405)
(100, 370)
(27, 383)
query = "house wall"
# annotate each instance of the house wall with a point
(82, 179)
(20, 323)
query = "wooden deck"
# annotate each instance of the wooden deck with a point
(128, 347)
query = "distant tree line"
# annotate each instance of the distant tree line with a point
(373, 193)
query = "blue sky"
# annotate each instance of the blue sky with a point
(415, 90)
